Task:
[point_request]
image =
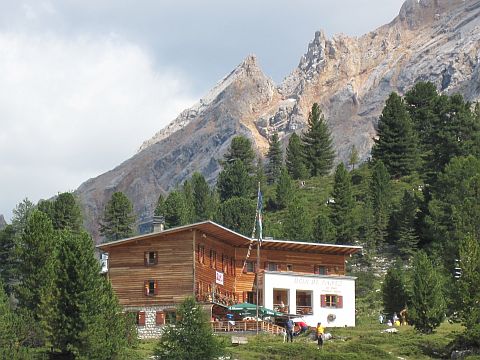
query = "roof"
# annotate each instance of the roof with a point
(238, 240)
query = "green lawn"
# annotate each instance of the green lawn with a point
(362, 342)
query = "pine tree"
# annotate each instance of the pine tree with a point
(176, 212)
(275, 160)
(407, 242)
(36, 251)
(342, 208)
(294, 160)
(237, 214)
(234, 181)
(394, 292)
(317, 144)
(7, 323)
(323, 230)
(380, 194)
(297, 226)
(284, 191)
(468, 291)
(353, 157)
(66, 213)
(160, 207)
(396, 145)
(427, 305)
(7, 257)
(87, 320)
(240, 150)
(21, 214)
(118, 219)
(202, 198)
(191, 338)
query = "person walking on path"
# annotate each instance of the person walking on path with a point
(289, 327)
(320, 334)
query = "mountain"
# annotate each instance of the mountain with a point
(350, 77)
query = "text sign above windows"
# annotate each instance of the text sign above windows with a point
(218, 278)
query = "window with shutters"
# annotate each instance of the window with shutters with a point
(320, 270)
(159, 318)
(201, 254)
(150, 258)
(140, 318)
(150, 287)
(331, 301)
(213, 259)
(249, 267)
(170, 316)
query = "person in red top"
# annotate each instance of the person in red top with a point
(303, 327)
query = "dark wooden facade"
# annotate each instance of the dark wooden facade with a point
(184, 261)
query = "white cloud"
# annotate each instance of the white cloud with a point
(71, 109)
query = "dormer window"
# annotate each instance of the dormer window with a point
(150, 258)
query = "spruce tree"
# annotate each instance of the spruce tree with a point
(342, 207)
(284, 191)
(427, 304)
(240, 150)
(189, 202)
(87, 320)
(323, 230)
(7, 257)
(396, 145)
(468, 292)
(7, 323)
(297, 225)
(380, 194)
(237, 214)
(191, 338)
(36, 251)
(118, 218)
(317, 144)
(407, 242)
(160, 207)
(394, 291)
(274, 160)
(66, 213)
(202, 198)
(234, 181)
(294, 160)
(176, 212)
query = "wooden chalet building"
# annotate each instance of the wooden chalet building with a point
(152, 273)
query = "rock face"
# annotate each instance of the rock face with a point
(430, 40)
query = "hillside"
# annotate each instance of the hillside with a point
(437, 41)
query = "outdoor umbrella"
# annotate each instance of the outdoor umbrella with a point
(251, 309)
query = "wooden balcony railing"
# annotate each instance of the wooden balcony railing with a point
(281, 308)
(304, 310)
(227, 326)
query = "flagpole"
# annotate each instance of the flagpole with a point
(259, 217)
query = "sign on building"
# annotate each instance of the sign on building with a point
(218, 278)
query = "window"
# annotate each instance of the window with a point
(159, 318)
(140, 320)
(213, 259)
(289, 267)
(201, 254)
(170, 316)
(250, 267)
(320, 270)
(150, 258)
(331, 301)
(150, 287)
(304, 302)
(271, 266)
(251, 297)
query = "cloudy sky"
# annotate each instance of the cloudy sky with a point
(84, 82)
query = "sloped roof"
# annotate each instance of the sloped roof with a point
(238, 240)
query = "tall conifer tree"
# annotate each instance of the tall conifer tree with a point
(295, 160)
(285, 190)
(342, 208)
(202, 198)
(118, 218)
(396, 145)
(380, 193)
(317, 144)
(275, 160)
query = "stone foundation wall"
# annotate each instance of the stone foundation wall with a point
(150, 330)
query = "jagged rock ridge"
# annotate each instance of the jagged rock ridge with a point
(434, 40)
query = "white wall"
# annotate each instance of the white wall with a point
(318, 284)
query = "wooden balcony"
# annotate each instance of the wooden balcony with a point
(250, 326)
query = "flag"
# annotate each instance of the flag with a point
(259, 215)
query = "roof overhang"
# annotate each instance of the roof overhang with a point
(238, 240)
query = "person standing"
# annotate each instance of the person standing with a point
(289, 327)
(320, 334)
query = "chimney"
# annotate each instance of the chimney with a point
(158, 223)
